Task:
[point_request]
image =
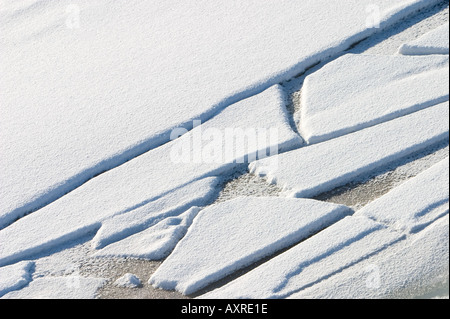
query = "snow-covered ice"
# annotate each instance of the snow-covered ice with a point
(234, 234)
(15, 277)
(321, 256)
(358, 91)
(416, 203)
(120, 121)
(311, 170)
(71, 287)
(412, 270)
(128, 281)
(154, 243)
(434, 42)
(117, 227)
(156, 173)
(89, 85)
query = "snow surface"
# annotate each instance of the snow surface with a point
(234, 234)
(154, 243)
(93, 93)
(15, 277)
(410, 271)
(89, 85)
(311, 170)
(415, 204)
(128, 281)
(328, 252)
(120, 226)
(72, 287)
(434, 42)
(152, 175)
(358, 91)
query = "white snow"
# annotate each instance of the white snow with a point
(415, 204)
(358, 91)
(154, 174)
(154, 243)
(232, 235)
(417, 267)
(15, 277)
(311, 170)
(120, 226)
(434, 42)
(128, 281)
(321, 256)
(71, 287)
(88, 85)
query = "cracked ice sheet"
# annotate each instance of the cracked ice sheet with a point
(416, 203)
(120, 226)
(329, 252)
(312, 170)
(418, 266)
(434, 42)
(15, 277)
(70, 287)
(89, 85)
(154, 243)
(358, 91)
(232, 235)
(154, 174)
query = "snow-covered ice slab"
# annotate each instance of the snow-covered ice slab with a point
(70, 287)
(417, 267)
(434, 42)
(358, 91)
(154, 243)
(415, 204)
(120, 226)
(311, 170)
(232, 235)
(252, 128)
(319, 257)
(90, 84)
(15, 277)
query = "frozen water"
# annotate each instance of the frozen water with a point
(416, 203)
(358, 91)
(234, 234)
(89, 85)
(434, 42)
(149, 177)
(312, 170)
(15, 277)
(317, 258)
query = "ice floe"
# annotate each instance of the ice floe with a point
(311, 170)
(329, 252)
(88, 85)
(232, 235)
(154, 243)
(434, 42)
(411, 270)
(70, 287)
(358, 91)
(15, 277)
(157, 173)
(416, 203)
(118, 227)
